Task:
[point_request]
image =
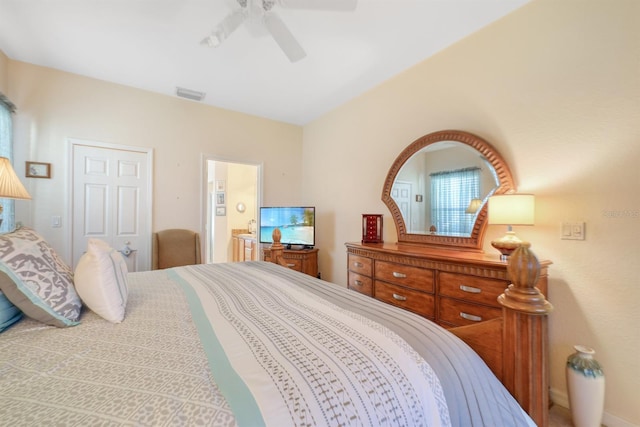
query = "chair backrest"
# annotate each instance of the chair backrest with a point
(175, 247)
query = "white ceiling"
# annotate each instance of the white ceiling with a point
(155, 45)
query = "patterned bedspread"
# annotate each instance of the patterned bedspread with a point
(248, 344)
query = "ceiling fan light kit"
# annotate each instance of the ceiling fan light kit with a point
(261, 10)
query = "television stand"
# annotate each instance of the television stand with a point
(302, 260)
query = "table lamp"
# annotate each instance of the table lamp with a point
(10, 185)
(474, 205)
(510, 210)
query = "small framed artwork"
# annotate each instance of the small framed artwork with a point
(220, 198)
(37, 170)
(221, 211)
(220, 185)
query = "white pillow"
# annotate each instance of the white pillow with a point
(101, 280)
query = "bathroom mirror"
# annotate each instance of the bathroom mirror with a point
(437, 188)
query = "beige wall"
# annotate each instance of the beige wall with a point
(4, 63)
(555, 87)
(54, 106)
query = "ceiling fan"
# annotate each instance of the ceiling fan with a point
(261, 10)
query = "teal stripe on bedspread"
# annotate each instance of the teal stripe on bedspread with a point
(231, 385)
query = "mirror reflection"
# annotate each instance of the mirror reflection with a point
(446, 213)
(441, 189)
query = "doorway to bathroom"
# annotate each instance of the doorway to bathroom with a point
(232, 200)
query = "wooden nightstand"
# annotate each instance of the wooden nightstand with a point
(302, 260)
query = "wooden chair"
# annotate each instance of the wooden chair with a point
(175, 247)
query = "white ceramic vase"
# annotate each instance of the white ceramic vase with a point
(585, 384)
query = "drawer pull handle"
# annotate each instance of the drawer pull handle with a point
(471, 317)
(399, 275)
(357, 282)
(291, 265)
(358, 264)
(399, 297)
(470, 289)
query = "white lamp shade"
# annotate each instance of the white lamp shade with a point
(512, 209)
(474, 205)
(10, 185)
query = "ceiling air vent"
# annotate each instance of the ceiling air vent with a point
(193, 95)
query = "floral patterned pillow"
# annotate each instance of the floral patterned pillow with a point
(41, 284)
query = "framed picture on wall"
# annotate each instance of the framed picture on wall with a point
(220, 185)
(220, 198)
(37, 170)
(221, 211)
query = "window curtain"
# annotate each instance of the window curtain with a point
(451, 192)
(6, 150)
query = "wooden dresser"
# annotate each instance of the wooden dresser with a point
(452, 288)
(302, 260)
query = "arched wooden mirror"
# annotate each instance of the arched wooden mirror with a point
(438, 186)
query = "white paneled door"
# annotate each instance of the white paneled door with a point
(401, 194)
(112, 200)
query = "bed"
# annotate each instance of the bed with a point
(247, 344)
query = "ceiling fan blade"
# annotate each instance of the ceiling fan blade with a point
(283, 37)
(224, 29)
(340, 5)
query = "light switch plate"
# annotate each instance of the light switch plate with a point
(56, 221)
(572, 231)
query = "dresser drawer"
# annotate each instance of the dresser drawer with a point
(293, 263)
(411, 277)
(360, 265)
(409, 299)
(360, 283)
(460, 313)
(471, 288)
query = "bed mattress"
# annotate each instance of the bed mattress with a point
(247, 343)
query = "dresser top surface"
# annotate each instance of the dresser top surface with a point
(438, 254)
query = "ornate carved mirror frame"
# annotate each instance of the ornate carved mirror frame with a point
(475, 241)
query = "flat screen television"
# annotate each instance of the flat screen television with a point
(297, 225)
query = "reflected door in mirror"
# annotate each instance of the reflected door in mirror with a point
(401, 193)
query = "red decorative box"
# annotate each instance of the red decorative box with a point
(371, 228)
